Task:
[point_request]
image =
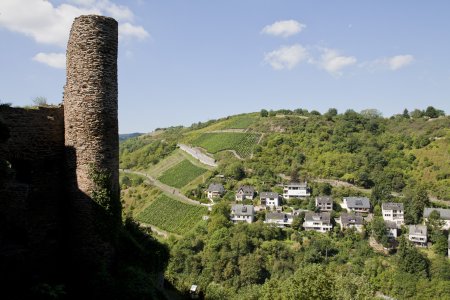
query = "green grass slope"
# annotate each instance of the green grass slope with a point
(172, 215)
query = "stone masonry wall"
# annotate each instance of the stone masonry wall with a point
(91, 128)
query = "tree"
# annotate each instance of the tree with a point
(264, 113)
(379, 231)
(405, 114)
(40, 101)
(235, 170)
(410, 260)
(432, 112)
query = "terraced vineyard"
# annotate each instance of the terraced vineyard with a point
(181, 174)
(242, 143)
(172, 215)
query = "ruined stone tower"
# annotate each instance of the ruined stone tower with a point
(91, 131)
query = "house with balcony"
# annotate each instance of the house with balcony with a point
(245, 192)
(444, 215)
(242, 213)
(296, 190)
(418, 235)
(320, 222)
(270, 200)
(279, 219)
(351, 221)
(393, 212)
(356, 204)
(324, 203)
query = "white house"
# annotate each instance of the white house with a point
(320, 222)
(245, 192)
(324, 203)
(393, 212)
(418, 234)
(215, 190)
(242, 213)
(279, 219)
(391, 229)
(444, 215)
(356, 204)
(296, 190)
(351, 221)
(270, 199)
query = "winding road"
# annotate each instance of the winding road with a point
(203, 158)
(173, 192)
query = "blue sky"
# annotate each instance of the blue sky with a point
(186, 61)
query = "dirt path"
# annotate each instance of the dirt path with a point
(157, 230)
(170, 191)
(197, 154)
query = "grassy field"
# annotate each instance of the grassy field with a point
(172, 215)
(242, 143)
(181, 174)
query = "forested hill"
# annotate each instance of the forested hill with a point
(391, 156)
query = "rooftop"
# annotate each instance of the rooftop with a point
(243, 210)
(216, 187)
(268, 195)
(443, 212)
(278, 216)
(418, 230)
(323, 216)
(392, 206)
(246, 189)
(324, 199)
(350, 219)
(357, 202)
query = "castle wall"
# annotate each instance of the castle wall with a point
(32, 193)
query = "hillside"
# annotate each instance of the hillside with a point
(399, 159)
(363, 149)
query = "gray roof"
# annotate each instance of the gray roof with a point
(298, 184)
(418, 230)
(243, 210)
(216, 187)
(278, 216)
(390, 224)
(324, 199)
(247, 190)
(445, 213)
(323, 216)
(357, 202)
(350, 219)
(392, 206)
(268, 195)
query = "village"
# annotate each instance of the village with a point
(356, 212)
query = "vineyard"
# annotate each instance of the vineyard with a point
(181, 174)
(172, 215)
(242, 143)
(239, 122)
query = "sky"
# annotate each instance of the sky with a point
(184, 61)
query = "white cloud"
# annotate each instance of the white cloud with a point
(55, 60)
(48, 24)
(332, 62)
(393, 63)
(286, 57)
(128, 30)
(283, 28)
(399, 61)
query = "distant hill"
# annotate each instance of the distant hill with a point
(393, 154)
(126, 136)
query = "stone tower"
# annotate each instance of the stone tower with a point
(91, 135)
